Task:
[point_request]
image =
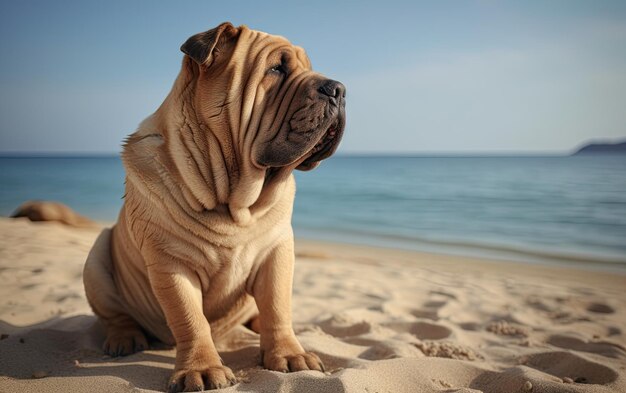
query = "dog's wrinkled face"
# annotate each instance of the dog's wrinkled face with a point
(311, 118)
(261, 90)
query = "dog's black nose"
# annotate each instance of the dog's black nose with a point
(333, 89)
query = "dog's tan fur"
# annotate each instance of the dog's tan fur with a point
(204, 239)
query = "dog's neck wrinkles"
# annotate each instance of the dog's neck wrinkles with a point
(199, 166)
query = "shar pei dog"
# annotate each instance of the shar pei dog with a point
(204, 240)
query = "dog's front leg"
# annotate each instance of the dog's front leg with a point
(280, 349)
(198, 365)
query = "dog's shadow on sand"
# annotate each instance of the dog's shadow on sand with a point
(71, 348)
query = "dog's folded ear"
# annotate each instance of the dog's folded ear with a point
(205, 47)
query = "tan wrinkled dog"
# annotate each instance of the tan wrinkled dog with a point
(204, 239)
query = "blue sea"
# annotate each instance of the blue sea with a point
(565, 210)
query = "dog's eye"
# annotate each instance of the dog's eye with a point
(277, 69)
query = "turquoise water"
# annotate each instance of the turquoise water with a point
(560, 209)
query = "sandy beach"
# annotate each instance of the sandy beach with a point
(382, 320)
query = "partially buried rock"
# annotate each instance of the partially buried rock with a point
(528, 386)
(40, 374)
(52, 211)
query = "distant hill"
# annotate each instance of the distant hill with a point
(603, 148)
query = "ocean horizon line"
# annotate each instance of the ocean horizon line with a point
(478, 154)
(566, 152)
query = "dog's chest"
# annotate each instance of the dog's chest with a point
(227, 273)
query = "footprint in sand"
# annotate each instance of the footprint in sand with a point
(428, 310)
(390, 349)
(435, 304)
(471, 326)
(444, 294)
(426, 313)
(601, 348)
(570, 365)
(421, 330)
(344, 327)
(613, 331)
(600, 308)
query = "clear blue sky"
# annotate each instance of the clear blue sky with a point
(443, 76)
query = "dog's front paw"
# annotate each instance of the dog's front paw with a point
(216, 377)
(298, 361)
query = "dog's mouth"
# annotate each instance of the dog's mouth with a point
(324, 148)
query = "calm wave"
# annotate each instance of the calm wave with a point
(522, 208)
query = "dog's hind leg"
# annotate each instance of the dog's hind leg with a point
(123, 334)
